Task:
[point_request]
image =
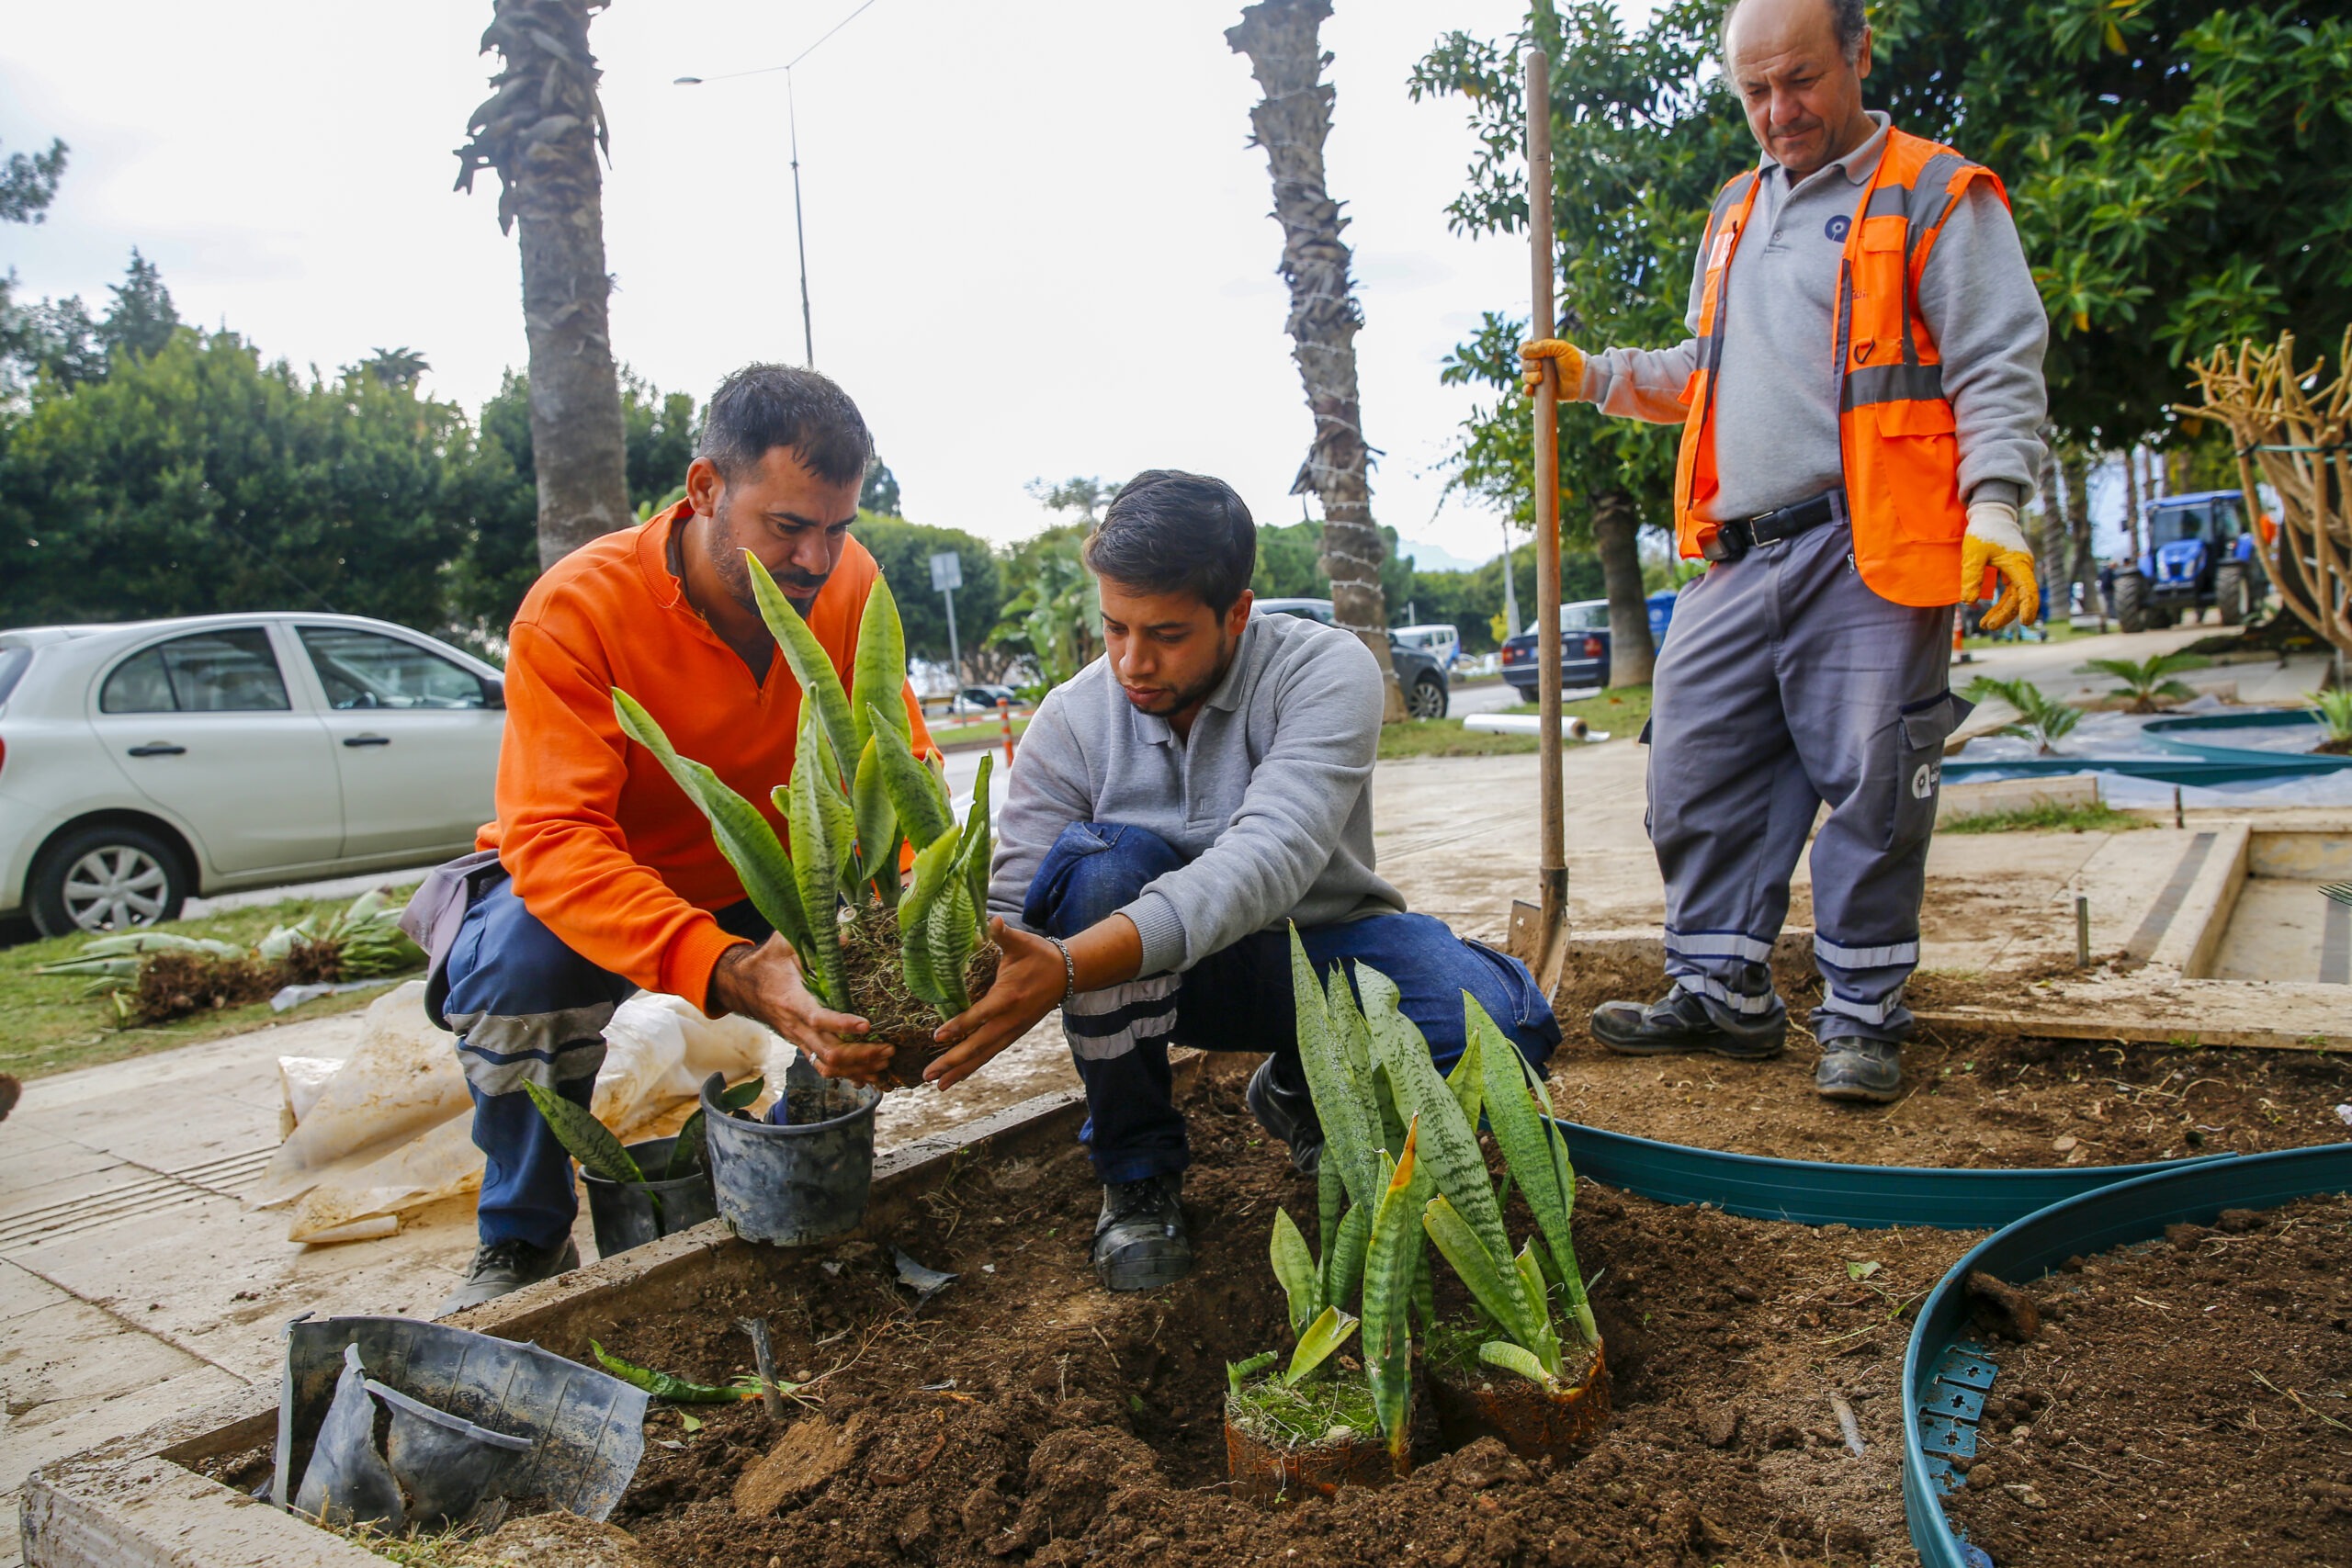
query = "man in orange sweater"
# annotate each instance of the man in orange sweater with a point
(599, 875)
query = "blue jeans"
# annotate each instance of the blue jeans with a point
(1240, 999)
(528, 1010)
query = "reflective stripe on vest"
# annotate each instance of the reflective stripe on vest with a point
(1898, 445)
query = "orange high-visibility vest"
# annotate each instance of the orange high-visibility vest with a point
(1894, 425)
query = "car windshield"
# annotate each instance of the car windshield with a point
(1589, 615)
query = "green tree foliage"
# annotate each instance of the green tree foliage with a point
(880, 494)
(196, 479)
(2181, 172)
(57, 336)
(1051, 614)
(1469, 601)
(396, 367)
(28, 184)
(1290, 566)
(904, 549)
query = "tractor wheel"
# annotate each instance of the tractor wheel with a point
(2229, 592)
(2131, 612)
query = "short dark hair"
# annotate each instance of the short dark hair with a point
(764, 406)
(1168, 532)
(1847, 16)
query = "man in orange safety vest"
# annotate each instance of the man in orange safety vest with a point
(1859, 401)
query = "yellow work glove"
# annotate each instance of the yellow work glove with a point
(1995, 540)
(1567, 356)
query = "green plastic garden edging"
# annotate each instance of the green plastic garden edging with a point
(2208, 735)
(1819, 1192)
(1946, 1375)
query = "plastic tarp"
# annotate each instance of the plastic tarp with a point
(390, 1128)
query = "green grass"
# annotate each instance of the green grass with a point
(1446, 738)
(48, 1026)
(2057, 627)
(984, 729)
(1298, 1418)
(1621, 712)
(2048, 817)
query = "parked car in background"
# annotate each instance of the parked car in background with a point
(1419, 673)
(143, 763)
(1584, 645)
(983, 698)
(1441, 638)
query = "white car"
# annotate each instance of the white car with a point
(147, 762)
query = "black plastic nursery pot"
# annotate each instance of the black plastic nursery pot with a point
(626, 1214)
(1479, 1401)
(801, 1181)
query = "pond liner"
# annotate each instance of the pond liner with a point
(1947, 1371)
(1820, 1192)
(623, 1217)
(2207, 736)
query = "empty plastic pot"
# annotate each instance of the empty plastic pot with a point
(625, 1216)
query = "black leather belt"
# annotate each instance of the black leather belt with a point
(1736, 538)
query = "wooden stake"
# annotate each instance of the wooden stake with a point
(1544, 324)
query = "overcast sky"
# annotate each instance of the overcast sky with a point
(1038, 240)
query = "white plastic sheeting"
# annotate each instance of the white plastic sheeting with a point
(391, 1129)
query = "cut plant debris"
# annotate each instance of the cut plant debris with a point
(905, 955)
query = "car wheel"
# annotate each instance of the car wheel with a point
(107, 879)
(1429, 697)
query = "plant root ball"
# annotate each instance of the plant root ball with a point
(877, 992)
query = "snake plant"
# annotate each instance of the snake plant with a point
(858, 797)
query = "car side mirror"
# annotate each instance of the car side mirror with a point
(494, 694)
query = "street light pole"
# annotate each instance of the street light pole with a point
(799, 226)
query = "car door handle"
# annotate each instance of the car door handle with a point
(366, 741)
(159, 749)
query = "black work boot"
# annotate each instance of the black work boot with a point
(1681, 1021)
(1855, 1068)
(1139, 1242)
(502, 1267)
(1288, 1114)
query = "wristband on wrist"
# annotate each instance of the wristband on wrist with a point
(1069, 970)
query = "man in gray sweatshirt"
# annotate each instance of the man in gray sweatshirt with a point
(1860, 399)
(1175, 810)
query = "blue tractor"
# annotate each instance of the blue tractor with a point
(2200, 555)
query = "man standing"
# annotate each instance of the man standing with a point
(1860, 401)
(1175, 810)
(599, 875)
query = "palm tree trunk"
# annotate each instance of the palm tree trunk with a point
(2079, 569)
(540, 130)
(1616, 527)
(1290, 123)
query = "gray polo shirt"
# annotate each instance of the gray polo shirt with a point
(1270, 795)
(1776, 394)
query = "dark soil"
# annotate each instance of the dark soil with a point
(1974, 1101)
(173, 985)
(878, 994)
(1025, 1415)
(2185, 1402)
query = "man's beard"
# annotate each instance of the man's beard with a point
(735, 573)
(1177, 702)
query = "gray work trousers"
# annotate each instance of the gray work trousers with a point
(1786, 683)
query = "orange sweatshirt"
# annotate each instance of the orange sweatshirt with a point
(601, 845)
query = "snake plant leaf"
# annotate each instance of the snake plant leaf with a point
(1341, 1102)
(1324, 1335)
(1467, 1080)
(1331, 1198)
(1295, 1271)
(1343, 1260)
(823, 833)
(1511, 1359)
(1388, 1284)
(1238, 1373)
(925, 966)
(820, 682)
(879, 673)
(953, 930)
(1354, 1036)
(1544, 1342)
(979, 838)
(915, 791)
(1535, 1151)
(1449, 1143)
(877, 823)
(583, 1137)
(687, 1154)
(1493, 1282)
(743, 835)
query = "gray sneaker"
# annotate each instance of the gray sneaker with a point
(501, 1268)
(1139, 1241)
(1855, 1068)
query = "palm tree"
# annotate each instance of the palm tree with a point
(395, 368)
(1281, 38)
(2148, 682)
(540, 130)
(2043, 720)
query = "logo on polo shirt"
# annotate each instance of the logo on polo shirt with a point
(1837, 227)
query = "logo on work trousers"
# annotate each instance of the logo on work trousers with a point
(1924, 782)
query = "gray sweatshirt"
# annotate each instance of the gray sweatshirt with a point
(1270, 795)
(1776, 395)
